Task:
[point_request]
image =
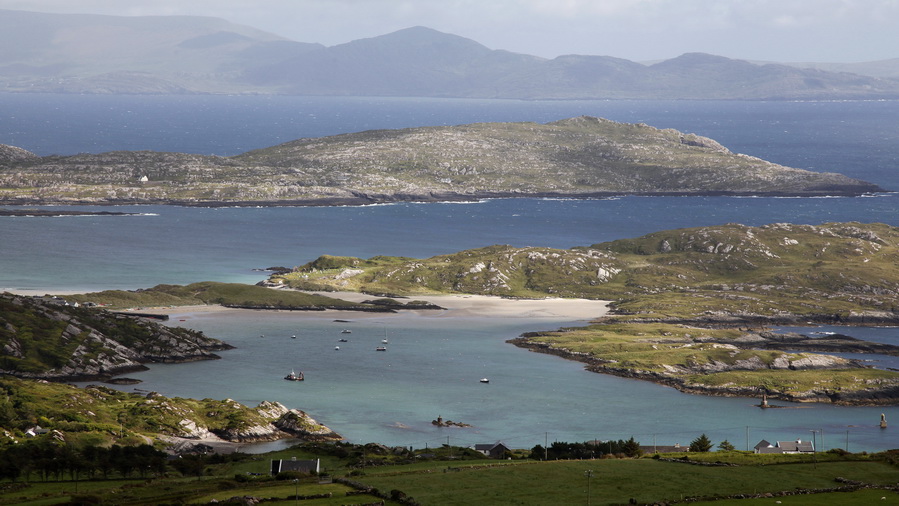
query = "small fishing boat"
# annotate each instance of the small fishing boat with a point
(337, 347)
(384, 341)
(381, 348)
(341, 340)
(346, 331)
(293, 376)
(485, 380)
(293, 336)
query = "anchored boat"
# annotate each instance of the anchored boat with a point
(293, 376)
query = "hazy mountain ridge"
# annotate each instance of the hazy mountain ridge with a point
(576, 157)
(183, 54)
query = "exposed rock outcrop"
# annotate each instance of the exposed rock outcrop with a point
(78, 343)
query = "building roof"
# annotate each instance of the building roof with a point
(484, 447)
(763, 444)
(665, 448)
(796, 446)
(301, 466)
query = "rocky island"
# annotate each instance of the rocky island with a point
(583, 157)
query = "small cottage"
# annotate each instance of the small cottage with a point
(495, 451)
(300, 466)
(798, 446)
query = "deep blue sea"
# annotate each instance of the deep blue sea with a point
(434, 363)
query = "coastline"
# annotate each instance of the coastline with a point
(454, 306)
(359, 198)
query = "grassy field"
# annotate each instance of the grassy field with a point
(492, 482)
(615, 481)
(858, 498)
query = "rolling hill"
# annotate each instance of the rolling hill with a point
(577, 157)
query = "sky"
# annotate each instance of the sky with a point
(838, 31)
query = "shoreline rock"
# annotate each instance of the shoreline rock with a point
(97, 340)
(883, 396)
(364, 199)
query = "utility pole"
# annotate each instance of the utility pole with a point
(589, 474)
(814, 449)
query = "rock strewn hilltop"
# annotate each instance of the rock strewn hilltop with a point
(731, 274)
(577, 157)
(111, 415)
(48, 340)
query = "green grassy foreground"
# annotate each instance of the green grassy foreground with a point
(488, 482)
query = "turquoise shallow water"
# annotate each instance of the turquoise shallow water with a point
(433, 364)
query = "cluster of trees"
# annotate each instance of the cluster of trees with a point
(587, 450)
(704, 444)
(53, 460)
(620, 448)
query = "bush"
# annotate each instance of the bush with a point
(290, 475)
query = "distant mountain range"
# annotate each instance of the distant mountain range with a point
(70, 53)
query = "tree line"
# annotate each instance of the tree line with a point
(620, 448)
(47, 459)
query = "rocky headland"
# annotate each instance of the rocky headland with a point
(185, 425)
(275, 421)
(47, 338)
(748, 365)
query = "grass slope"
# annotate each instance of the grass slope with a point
(101, 415)
(46, 338)
(211, 292)
(774, 270)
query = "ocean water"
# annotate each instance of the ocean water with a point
(434, 361)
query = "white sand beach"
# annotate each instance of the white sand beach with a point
(487, 306)
(455, 305)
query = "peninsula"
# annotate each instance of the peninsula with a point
(690, 308)
(583, 157)
(46, 338)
